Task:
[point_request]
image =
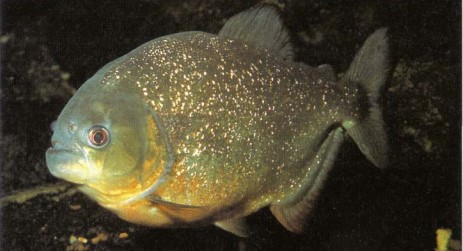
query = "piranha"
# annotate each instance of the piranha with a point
(193, 128)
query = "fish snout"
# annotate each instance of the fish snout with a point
(63, 133)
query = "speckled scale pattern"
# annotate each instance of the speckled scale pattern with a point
(240, 119)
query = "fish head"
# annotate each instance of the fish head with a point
(108, 141)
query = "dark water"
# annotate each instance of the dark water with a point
(49, 46)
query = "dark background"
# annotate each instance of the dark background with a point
(49, 47)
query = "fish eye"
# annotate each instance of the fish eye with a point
(98, 136)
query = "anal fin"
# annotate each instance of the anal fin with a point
(235, 226)
(292, 214)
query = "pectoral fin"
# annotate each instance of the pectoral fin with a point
(177, 211)
(294, 211)
(236, 226)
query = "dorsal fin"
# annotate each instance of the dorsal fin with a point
(261, 26)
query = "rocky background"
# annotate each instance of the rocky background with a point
(50, 47)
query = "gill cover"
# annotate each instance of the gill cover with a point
(139, 155)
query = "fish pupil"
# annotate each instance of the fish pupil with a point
(98, 137)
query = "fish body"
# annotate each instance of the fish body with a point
(195, 128)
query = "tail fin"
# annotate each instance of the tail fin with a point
(369, 70)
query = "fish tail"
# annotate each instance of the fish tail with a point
(369, 71)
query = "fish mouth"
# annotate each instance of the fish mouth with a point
(57, 147)
(59, 153)
(63, 163)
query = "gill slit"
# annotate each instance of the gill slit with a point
(167, 167)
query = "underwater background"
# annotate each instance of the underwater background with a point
(50, 47)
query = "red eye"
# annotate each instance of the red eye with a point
(98, 136)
